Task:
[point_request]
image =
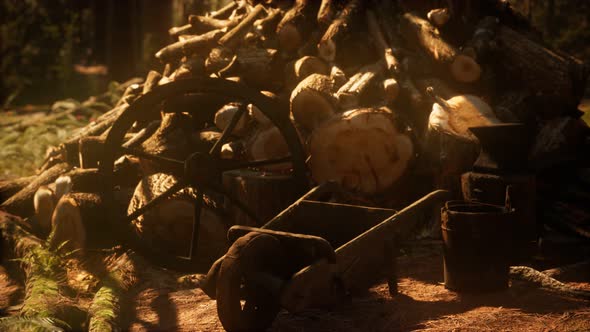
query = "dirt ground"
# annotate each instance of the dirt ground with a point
(423, 304)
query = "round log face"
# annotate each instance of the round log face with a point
(361, 149)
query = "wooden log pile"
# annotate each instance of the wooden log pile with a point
(381, 93)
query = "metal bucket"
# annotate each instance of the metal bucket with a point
(477, 244)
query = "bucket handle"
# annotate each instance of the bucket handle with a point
(508, 198)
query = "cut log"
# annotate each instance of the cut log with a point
(200, 44)
(258, 67)
(456, 115)
(297, 24)
(336, 32)
(11, 187)
(67, 227)
(350, 94)
(257, 115)
(549, 75)
(22, 202)
(248, 186)
(44, 204)
(268, 144)
(298, 70)
(225, 11)
(420, 32)
(226, 113)
(439, 16)
(167, 227)
(312, 101)
(361, 149)
(151, 80)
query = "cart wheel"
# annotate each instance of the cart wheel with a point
(202, 169)
(243, 304)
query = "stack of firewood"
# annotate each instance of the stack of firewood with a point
(381, 92)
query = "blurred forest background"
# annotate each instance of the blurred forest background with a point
(53, 49)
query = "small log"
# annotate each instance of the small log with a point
(90, 151)
(258, 67)
(338, 77)
(420, 32)
(350, 94)
(193, 66)
(11, 187)
(297, 24)
(151, 80)
(22, 202)
(233, 38)
(226, 113)
(326, 12)
(257, 115)
(202, 24)
(361, 149)
(181, 30)
(267, 144)
(44, 204)
(200, 44)
(299, 69)
(67, 225)
(390, 90)
(266, 26)
(539, 279)
(167, 227)
(312, 101)
(336, 32)
(225, 11)
(248, 186)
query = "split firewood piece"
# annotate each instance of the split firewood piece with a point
(22, 202)
(249, 185)
(186, 29)
(456, 115)
(439, 16)
(233, 38)
(312, 101)
(297, 24)
(152, 79)
(327, 47)
(200, 44)
(224, 116)
(420, 32)
(168, 226)
(350, 94)
(202, 24)
(11, 187)
(361, 149)
(266, 26)
(391, 61)
(326, 12)
(226, 11)
(43, 270)
(299, 69)
(545, 73)
(338, 77)
(268, 144)
(390, 90)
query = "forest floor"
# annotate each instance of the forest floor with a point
(422, 304)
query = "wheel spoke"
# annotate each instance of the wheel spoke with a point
(164, 161)
(258, 163)
(169, 192)
(198, 206)
(219, 189)
(228, 130)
